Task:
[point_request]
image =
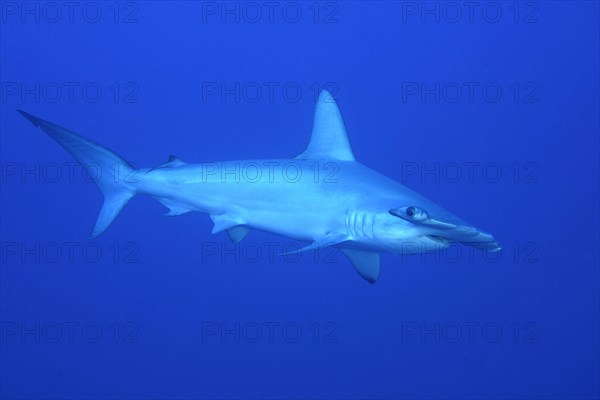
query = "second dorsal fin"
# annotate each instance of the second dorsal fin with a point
(172, 162)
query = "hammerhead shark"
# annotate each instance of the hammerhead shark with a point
(322, 195)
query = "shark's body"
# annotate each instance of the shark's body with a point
(324, 196)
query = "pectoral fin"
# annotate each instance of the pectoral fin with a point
(326, 241)
(366, 263)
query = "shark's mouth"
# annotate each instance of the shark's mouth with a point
(440, 240)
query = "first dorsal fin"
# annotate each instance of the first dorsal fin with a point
(329, 139)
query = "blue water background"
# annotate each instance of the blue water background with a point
(154, 284)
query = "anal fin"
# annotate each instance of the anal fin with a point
(174, 209)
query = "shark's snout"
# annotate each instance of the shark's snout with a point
(441, 233)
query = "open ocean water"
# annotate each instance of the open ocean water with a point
(490, 109)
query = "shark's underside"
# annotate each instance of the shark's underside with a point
(323, 195)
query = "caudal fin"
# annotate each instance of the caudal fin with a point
(112, 174)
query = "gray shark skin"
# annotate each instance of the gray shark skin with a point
(323, 195)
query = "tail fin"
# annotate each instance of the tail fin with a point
(110, 172)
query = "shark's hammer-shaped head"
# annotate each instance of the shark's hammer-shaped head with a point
(412, 229)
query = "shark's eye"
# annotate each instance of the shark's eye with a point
(416, 213)
(410, 213)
